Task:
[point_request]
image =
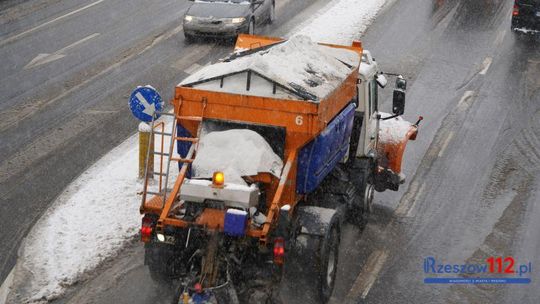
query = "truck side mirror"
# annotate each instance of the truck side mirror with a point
(381, 80)
(398, 103)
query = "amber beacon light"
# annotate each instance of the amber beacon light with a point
(218, 179)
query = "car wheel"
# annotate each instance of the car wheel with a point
(189, 38)
(251, 28)
(272, 14)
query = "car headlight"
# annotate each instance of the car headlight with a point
(238, 20)
(188, 18)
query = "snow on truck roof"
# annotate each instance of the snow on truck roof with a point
(301, 68)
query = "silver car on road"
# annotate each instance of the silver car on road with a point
(226, 18)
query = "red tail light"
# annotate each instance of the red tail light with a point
(516, 10)
(279, 250)
(146, 229)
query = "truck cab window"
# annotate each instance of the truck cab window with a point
(373, 100)
(373, 95)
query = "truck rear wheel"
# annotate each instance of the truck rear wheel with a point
(328, 262)
(344, 188)
(359, 170)
(160, 259)
(313, 260)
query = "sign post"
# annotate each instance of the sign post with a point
(146, 104)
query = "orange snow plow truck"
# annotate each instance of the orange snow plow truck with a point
(269, 152)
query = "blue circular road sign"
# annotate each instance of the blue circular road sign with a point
(144, 102)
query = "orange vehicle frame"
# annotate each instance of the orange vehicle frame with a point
(302, 120)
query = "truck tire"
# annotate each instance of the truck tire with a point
(189, 38)
(359, 173)
(328, 261)
(160, 259)
(314, 251)
(346, 187)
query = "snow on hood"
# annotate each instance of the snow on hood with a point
(297, 64)
(236, 153)
(393, 130)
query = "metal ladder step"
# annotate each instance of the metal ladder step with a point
(165, 113)
(190, 139)
(160, 153)
(159, 173)
(154, 193)
(162, 133)
(182, 160)
(192, 118)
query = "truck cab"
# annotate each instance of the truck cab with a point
(368, 105)
(378, 139)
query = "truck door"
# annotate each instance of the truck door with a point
(371, 115)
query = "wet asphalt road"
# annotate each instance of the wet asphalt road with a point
(67, 70)
(473, 186)
(473, 173)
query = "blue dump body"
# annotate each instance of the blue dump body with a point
(322, 154)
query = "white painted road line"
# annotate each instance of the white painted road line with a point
(6, 285)
(367, 277)
(415, 200)
(77, 42)
(406, 200)
(165, 36)
(10, 39)
(463, 102)
(486, 64)
(465, 96)
(44, 58)
(445, 143)
(410, 198)
(500, 38)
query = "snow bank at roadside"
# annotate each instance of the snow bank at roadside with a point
(98, 212)
(89, 221)
(341, 21)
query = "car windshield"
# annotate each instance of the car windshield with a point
(226, 1)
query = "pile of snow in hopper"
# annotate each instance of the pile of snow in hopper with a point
(237, 153)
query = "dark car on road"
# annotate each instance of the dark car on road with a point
(526, 17)
(226, 18)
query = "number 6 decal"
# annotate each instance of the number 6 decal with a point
(299, 120)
